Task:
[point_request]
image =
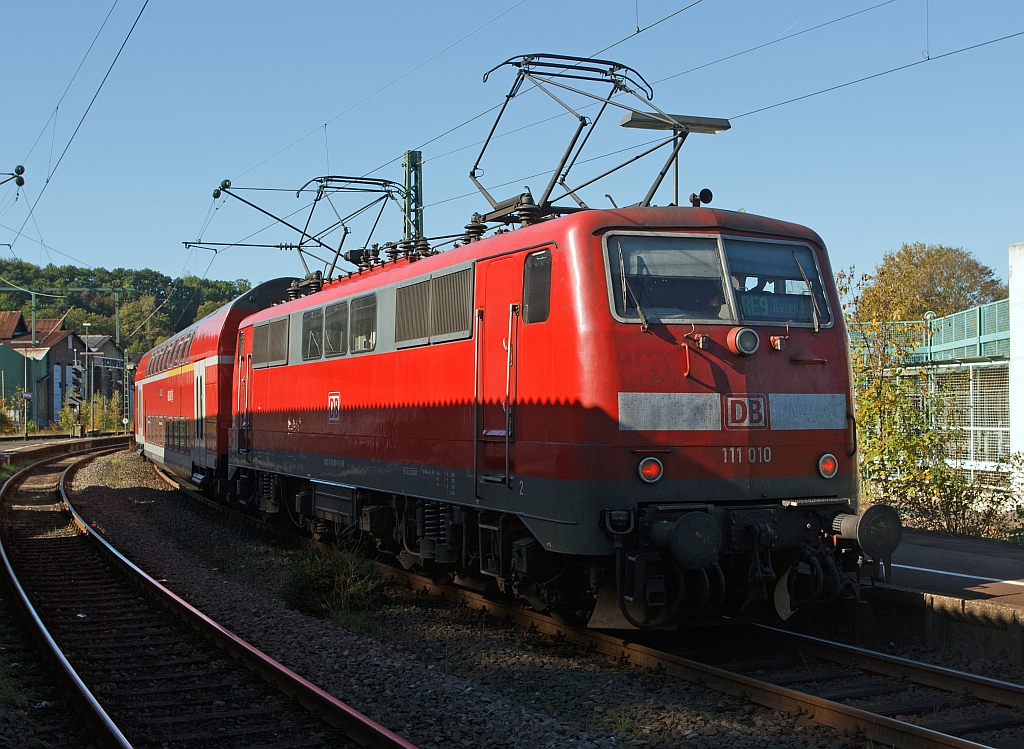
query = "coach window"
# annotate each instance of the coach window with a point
(312, 334)
(363, 335)
(336, 329)
(537, 287)
(241, 348)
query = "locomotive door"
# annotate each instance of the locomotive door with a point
(497, 361)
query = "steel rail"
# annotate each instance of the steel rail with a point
(826, 712)
(359, 727)
(106, 732)
(877, 728)
(926, 674)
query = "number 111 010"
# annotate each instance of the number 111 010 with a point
(746, 454)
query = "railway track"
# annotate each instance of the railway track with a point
(893, 701)
(147, 669)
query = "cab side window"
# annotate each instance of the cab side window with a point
(537, 286)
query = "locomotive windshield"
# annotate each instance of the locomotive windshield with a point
(776, 282)
(667, 277)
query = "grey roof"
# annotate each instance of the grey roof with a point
(95, 342)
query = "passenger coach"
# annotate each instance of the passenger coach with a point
(183, 389)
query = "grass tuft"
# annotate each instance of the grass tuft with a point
(332, 584)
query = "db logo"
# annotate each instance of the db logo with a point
(745, 412)
(334, 406)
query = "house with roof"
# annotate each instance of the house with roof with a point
(106, 362)
(37, 362)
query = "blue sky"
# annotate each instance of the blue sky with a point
(208, 91)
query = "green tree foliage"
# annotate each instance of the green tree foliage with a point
(207, 308)
(921, 278)
(906, 429)
(169, 305)
(143, 324)
(6, 423)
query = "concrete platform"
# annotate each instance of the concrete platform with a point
(968, 568)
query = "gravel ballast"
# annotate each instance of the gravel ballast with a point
(438, 674)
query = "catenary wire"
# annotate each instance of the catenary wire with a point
(630, 36)
(385, 86)
(487, 111)
(774, 41)
(762, 109)
(878, 75)
(42, 243)
(51, 248)
(771, 106)
(59, 101)
(84, 115)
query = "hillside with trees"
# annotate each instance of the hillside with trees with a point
(154, 306)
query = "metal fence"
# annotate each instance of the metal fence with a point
(964, 358)
(978, 417)
(973, 333)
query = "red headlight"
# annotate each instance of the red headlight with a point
(828, 465)
(650, 470)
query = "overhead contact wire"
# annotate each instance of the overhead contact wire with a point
(385, 86)
(878, 75)
(73, 77)
(84, 115)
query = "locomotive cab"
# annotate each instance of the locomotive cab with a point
(734, 395)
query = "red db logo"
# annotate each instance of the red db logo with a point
(745, 412)
(334, 406)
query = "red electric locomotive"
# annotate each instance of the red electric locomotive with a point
(636, 416)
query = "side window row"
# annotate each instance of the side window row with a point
(170, 354)
(340, 328)
(424, 313)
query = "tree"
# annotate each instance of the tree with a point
(149, 324)
(907, 427)
(145, 290)
(207, 308)
(921, 278)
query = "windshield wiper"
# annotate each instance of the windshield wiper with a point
(815, 313)
(644, 325)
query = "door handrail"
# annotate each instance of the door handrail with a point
(478, 318)
(513, 312)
